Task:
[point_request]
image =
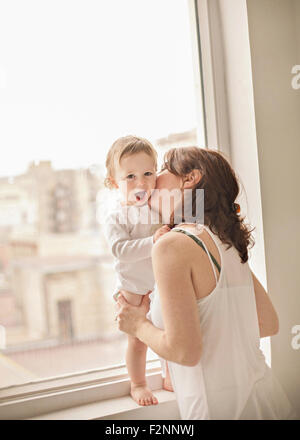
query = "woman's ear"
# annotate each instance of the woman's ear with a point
(192, 179)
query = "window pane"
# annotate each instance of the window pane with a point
(74, 76)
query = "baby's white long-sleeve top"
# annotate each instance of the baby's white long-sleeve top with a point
(129, 233)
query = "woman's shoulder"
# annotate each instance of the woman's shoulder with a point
(171, 245)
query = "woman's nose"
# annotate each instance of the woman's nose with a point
(159, 180)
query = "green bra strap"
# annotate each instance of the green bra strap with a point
(198, 241)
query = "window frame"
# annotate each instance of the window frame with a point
(212, 70)
(44, 396)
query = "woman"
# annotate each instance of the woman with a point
(209, 310)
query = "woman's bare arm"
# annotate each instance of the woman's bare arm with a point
(267, 316)
(181, 341)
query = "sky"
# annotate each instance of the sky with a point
(77, 74)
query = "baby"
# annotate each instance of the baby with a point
(131, 165)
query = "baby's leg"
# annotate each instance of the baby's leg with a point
(167, 384)
(136, 362)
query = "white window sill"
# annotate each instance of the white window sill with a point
(95, 394)
(122, 408)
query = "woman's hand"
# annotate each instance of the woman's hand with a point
(160, 232)
(131, 317)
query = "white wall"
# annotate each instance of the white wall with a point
(261, 44)
(296, 4)
(274, 50)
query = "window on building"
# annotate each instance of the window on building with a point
(77, 75)
(65, 320)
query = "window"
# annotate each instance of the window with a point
(65, 320)
(74, 77)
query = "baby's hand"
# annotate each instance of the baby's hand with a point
(161, 231)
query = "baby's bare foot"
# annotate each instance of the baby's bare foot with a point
(167, 385)
(142, 395)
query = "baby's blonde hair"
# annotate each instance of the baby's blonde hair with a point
(127, 145)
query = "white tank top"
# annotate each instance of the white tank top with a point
(232, 379)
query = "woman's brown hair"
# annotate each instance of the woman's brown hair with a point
(221, 188)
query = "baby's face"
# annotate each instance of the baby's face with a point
(135, 176)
